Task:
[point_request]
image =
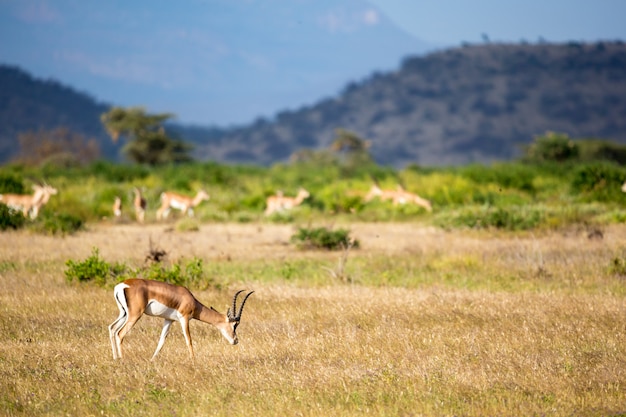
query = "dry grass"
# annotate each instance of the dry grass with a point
(437, 324)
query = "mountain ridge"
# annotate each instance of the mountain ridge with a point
(476, 103)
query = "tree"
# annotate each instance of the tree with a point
(148, 142)
(351, 149)
(555, 147)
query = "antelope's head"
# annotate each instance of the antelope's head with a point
(233, 317)
(374, 192)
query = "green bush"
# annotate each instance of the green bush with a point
(91, 269)
(600, 181)
(510, 218)
(97, 270)
(11, 184)
(323, 238)
(10, 219)
(188, 274)
(618, 266)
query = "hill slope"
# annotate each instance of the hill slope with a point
(472, 104)
(29, 104)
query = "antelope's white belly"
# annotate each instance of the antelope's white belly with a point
(178, 205)
(156, 309)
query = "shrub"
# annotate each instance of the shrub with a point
(510, 218)
(91, 269)
(599, 181)
(12, 184)
(10, 219)
(189, 274)
(618, 266)
(323, 238)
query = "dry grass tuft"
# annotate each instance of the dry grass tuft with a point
(465, 324)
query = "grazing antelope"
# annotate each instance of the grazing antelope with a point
(136, 297)
(400, 196)
(170, 200)
(140, 205)
(277, 203)
(117, 207)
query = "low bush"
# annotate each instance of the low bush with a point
(93, 269)
(10, 219)
(511, 218)
(323, 238)
(186, 273)
(599, 181)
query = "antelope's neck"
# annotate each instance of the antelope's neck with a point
(208, 315)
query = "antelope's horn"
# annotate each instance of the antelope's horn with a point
(242, 304)
(233, 309)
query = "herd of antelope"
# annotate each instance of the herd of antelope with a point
(31, 204)
(277, 203)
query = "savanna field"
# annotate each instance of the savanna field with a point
(508, 298)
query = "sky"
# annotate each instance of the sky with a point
(452, 22)
(223, 62)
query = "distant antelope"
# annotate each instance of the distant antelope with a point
(170, 200)
(47, 192)
(117, 207)
(140, 205)
(29, 204)
(398, 197)
(136, 297)
(277, 203)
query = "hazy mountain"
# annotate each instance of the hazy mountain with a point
(471, 104)
(214, 62)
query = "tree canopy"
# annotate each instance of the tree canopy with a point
(147, 140)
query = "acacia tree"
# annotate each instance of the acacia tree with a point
(351, 148)
(147, 141)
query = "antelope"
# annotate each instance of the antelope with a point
(136, 297)
(47, 192)
(624, 187)
(180, 202)
(403, 197)
(29, 204)
(140, 205)
(117, 207)
(400, 196)
(277, 203)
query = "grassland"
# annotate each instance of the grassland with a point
(425, 322)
